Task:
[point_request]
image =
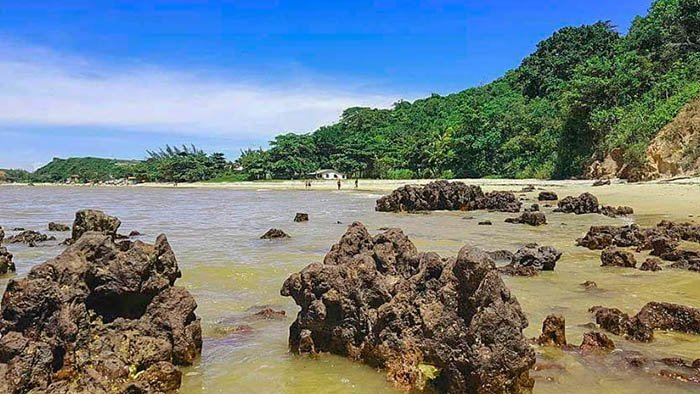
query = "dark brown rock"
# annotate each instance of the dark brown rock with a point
(585, 203)
(614, 257)
(94, 220)
(6, 263)
(614, 212)
(651, 264)
(134, 233)
(553, 331)
(547, 196)
(445, 195)
(601, 182)
(274, 233)
(653, 316)
(96, 314)
(58, 227)
(29, 237)
(378, 300)
(596, 342)
(485, 223)
(301, 217)
(529, 217)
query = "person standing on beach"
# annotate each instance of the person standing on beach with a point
(338, 184)
(356, 182)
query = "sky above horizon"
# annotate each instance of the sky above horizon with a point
(116, 78)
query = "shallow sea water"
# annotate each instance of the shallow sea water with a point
(232, 274)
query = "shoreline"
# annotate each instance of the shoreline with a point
(365, 185)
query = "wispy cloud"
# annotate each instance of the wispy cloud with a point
(39, 87)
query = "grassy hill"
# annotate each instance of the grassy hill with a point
(85, 168)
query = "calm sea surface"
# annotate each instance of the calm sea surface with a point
(232, 274)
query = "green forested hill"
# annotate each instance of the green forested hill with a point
(86, 168)
(583, 92)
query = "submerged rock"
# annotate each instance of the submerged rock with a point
(58, 227)
(601, 182)
(444, 195)
(547, 196)
(597, 342)
(529, 217)
(614, 212)
(378, 300)
(614, 257)
(485, 223)
(30, 237)
(100, 317)
(94, 220)
(301, 217)
(653, 316)
(274, 233)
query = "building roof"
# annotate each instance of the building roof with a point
(324, 171)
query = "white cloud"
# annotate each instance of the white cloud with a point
(39, 87)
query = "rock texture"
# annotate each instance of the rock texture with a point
(588, 203)
(6, 264)
(274, 233)
(378, 300)
(99, 318)
(93, 220)
(614, 257)
(444, 195)
(30, 238)
(653, 316)
(553, 331)
(53, 226)
(529, 217)
(301, 217)
(529, 260)
(673, 152)
(547, 196)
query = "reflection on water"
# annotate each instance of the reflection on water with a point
(231, 272)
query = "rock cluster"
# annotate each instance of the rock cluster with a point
(532, 218)
(444, 195)
(99, 318)
(378, 300)
(274, 233)
(661, 240)
(53, 226)
(528, 260)
(6, 264)
(554, 334)
(30, 237)
(588, 203)
(653, 316)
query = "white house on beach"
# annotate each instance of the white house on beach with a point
(328, 174)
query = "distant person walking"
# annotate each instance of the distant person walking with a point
(338, 184)
(356, 182)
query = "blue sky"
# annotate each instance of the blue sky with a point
(114, 78)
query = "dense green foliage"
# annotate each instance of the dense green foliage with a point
(171, 164)
(583, 92)
(83, 168)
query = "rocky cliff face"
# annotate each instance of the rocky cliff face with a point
(675, 151)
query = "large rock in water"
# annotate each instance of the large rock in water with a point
(94, 220)
(99, 318)
(653, 316)
(444, 195)
(379, 301)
